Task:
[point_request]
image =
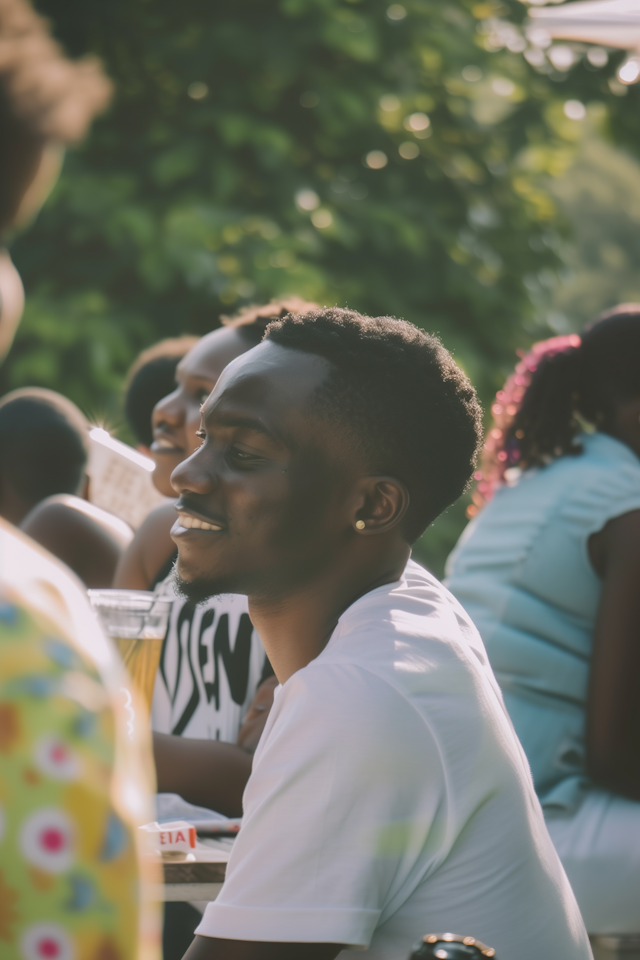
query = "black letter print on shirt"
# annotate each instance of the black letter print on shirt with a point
(235, 662)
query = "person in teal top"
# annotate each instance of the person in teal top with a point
(549, 570)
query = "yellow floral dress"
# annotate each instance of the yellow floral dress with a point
(74, 778)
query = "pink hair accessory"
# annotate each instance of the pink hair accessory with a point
(498, 461)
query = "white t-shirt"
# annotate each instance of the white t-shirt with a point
(211, 664)
(390, 798)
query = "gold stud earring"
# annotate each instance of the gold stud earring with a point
(360, 524)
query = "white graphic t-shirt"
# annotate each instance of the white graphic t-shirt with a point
(212, 663)
(390, 798)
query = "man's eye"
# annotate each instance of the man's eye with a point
(241, 456)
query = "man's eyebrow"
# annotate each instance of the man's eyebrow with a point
(249, 423)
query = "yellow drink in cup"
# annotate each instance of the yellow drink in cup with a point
(136, 621)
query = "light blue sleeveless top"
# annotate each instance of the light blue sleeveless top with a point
(521, 570)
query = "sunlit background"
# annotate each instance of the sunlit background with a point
(446, 162)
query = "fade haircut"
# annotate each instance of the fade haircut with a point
(399, 393)
(251, 322)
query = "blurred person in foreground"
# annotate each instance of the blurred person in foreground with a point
(151, 378)
(73, 784)
(43, 481)
(549, 571)
(389, 795)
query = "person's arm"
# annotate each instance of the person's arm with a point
(210, 948)
(147, 553)
(256, 718)
(211, 773)
(613, 707)
(89, 540)
(207, 773)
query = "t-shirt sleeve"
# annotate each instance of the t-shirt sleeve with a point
(337, 816)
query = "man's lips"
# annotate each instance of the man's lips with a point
(191, 521)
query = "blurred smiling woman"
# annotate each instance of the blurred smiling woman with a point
(549, 571)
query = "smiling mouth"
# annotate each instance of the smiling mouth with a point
(193, 523)
(163, 444)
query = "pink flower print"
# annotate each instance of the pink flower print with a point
(47, 840)
(56, 759)
(46, 941)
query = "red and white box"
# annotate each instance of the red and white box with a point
(173, 840)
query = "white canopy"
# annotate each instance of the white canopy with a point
(611, 23)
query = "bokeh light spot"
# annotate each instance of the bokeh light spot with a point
(597, 57)
(389, 102)
(307, 200)
(629, 72)
(321, 219)
(575, 110)
(396, 12)
(561, 57)
(417, 122)
(409, 150)
(197, 90)
(376, 160)
(472, 73)
(502, 86)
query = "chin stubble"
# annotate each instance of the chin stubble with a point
(199, 590)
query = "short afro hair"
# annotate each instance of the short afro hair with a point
(44, 444)
(398, 391)
(151, 378)
(251, 322)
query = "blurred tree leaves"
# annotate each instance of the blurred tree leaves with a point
(385, 157)
(600, 197)
(182, 202)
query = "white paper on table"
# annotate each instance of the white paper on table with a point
(171, 806)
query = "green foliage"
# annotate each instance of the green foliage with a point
(182, 202)
(600, 196)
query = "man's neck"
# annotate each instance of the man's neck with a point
(296, 628)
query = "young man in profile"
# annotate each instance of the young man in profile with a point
(389, 796)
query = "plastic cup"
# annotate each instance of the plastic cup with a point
(136, 621)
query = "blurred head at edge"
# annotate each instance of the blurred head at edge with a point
(46, 104)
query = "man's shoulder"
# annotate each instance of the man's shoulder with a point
(418, 608)
(348, 711)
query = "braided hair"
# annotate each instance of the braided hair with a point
(560, 386)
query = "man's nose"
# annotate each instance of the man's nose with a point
(169, 410)
(196, 474)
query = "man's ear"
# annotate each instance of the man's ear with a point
(380, 505)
